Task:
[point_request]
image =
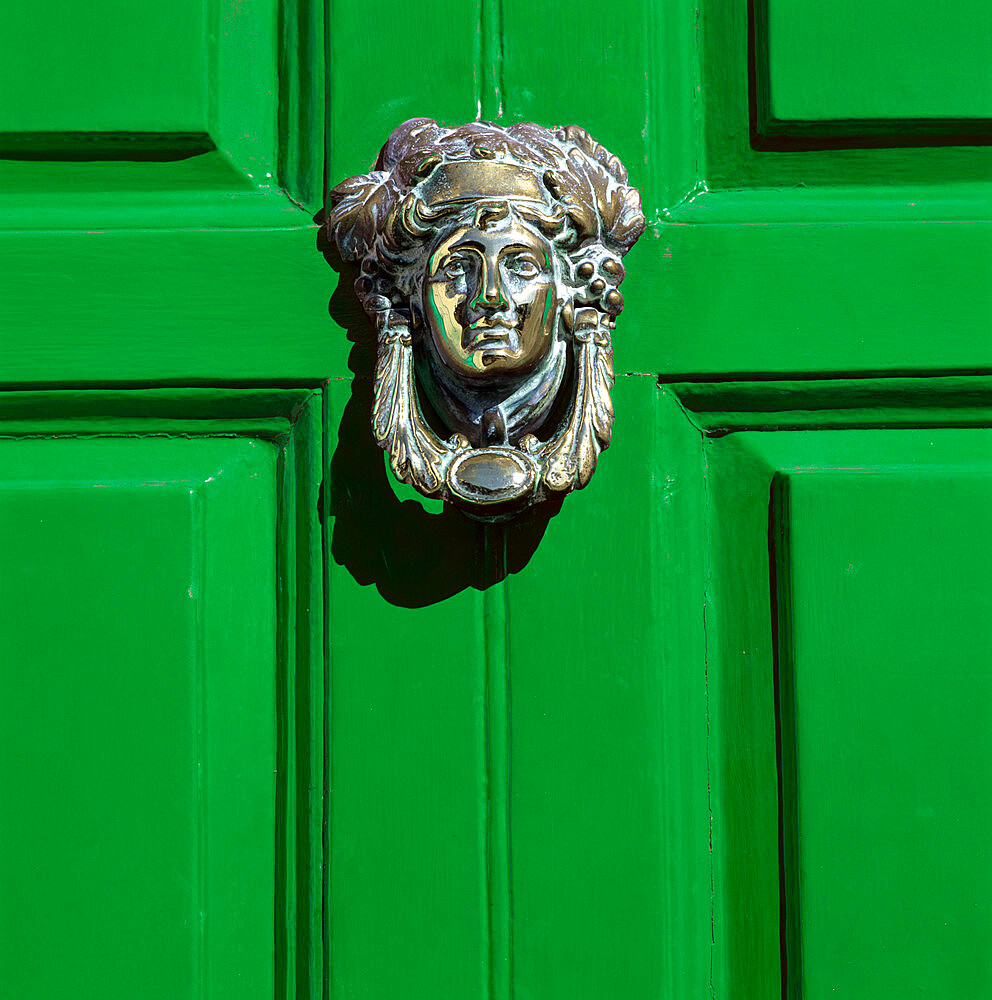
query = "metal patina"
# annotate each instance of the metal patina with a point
(490, 263)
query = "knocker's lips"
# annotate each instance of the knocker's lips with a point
(488, 336)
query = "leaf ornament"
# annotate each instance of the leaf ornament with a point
(416, 453)
(623, 219)
(570, 457)
(523, 142)
(572, 186)
(417, 133)
(359, 207)
(592, 185)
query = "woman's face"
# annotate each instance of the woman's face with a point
(490, 300)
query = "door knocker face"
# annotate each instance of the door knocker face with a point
(490, 264)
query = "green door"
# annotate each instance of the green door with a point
(273, 726)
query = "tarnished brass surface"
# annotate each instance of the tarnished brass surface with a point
(490, 264)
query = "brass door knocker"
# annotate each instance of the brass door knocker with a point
(490, 264)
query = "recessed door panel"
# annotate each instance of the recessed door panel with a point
(878, 60)
(886, 703)
(138, 732)
(849, 675)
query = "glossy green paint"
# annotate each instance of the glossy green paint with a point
(139, 734)
(877, 61)
(547, 759)
(888, 727)
(596, 880)
(825, 696)
(177, 787)
(77, 72)
(196, 117)
(883, 164)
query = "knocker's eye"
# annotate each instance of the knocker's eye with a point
(453, 268)
(523, 266)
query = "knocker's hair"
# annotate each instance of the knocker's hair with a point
(382, 220)
(586, 183)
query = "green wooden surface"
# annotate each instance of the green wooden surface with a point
(827, 298)
(835, 703)
(552, 764)
(733, 149)
(889, 723)
(139, 743)
(76, 69)
(596, 880)
(200, 115)
(878, 60)
(159, 437)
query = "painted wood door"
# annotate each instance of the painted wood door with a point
(273, 726)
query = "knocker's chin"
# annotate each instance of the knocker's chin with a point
(531, 219)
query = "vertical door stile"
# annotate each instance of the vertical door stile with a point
(496, 711)
(490, 80)
(496, 612)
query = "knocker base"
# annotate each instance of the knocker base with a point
(488, 483)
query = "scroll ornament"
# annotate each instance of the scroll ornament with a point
(490, 260)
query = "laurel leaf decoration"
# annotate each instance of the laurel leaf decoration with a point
(596, 151)
(570, 458)
(596, 202)
(359, 207)
(415, 452)
(623, 220)
(574, 189)
(413, 134)
(589, 180)
(523, 141)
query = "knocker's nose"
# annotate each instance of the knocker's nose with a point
(489, 294)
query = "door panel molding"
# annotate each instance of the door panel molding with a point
(290, 419)
(737, 617)
(719, 408)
